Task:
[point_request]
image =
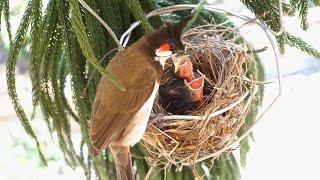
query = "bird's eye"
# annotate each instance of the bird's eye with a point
(172, 45)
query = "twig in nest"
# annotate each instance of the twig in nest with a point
(258, 50)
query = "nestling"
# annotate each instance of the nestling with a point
(183, 93)
(183, 69)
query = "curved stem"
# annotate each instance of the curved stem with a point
(108, 28)
(211, 8)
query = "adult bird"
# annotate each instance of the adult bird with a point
(119, 118)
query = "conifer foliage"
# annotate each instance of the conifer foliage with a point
(67, 41)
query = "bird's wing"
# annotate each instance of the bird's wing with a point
(114, 109)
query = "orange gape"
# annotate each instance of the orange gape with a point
(183, 68)
(195, 88)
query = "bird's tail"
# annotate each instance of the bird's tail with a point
(123, 162)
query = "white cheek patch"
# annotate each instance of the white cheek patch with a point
(163, 53)
(162, 56)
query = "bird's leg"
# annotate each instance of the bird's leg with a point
(183, 67)
(123, 162)
(95, 152)
(195, 88)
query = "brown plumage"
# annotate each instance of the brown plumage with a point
(119, 118)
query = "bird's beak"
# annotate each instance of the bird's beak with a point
(195, 88)
(183, 67)
(163, 55)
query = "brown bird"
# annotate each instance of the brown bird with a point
(119, 118)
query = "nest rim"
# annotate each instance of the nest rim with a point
(126, 36)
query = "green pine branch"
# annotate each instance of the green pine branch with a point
(302, 7)
(62, 75)
(302, 45)
(35, 50)
(316, 2)
(1, 8)
(11, 81)
(84, 43)
(138, 13)
(196, 13)
(6, 11)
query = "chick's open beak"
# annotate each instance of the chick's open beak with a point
(195, 88)
(183, 67)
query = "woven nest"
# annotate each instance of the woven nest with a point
(210, 129)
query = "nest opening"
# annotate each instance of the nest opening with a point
(188, 136)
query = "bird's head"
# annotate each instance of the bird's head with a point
(167, 37)
(172, 34)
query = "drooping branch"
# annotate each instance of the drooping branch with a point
(138, 13)
(6, 11)
(83, 40)
(10, 73)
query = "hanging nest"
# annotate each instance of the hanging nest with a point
(212, 128)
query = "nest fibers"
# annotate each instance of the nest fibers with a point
(212, 128)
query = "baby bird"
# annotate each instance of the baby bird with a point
(184, 92)
(183, 67)
(195, 89)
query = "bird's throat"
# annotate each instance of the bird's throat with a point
(162, 60)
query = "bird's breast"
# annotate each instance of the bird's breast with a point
(138, 125)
